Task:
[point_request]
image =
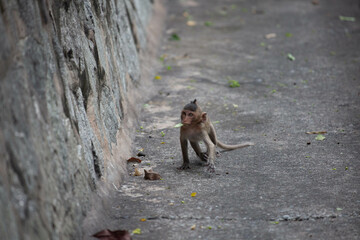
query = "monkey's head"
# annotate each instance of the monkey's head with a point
(192, 114)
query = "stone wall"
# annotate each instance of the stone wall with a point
(67, 74)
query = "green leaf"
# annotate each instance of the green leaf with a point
(174, 37)
(320, 137)
(290, 57)
(162, 134)
(208, 23)
(178, 125)
(347, 19)
(233, 83)
(168, 67)
(288, 35)
(339, 209)
(137, 231)
(275, 222)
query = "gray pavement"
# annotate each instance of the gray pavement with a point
(288, 185)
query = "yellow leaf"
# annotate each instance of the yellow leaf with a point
(158, 77)
(137, 231)
(193, 194)
(143, 219)
(191, 23)
(162, 142)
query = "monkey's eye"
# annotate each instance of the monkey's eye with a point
(190, 114)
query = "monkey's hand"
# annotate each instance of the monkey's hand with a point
(203, 156)
(184, 166)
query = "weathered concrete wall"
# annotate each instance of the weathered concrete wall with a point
(67, 69)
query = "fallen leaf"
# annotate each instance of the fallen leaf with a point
(275, 222)
(182, 202)
(193, 227)
(150, 175)
(208, 23)
(270, 35)
(168, 67)
(162, 133)
(143, 219)
(339, 209)
(174, 37)
(113, 235)
(347, 19)
(315, 2)
(193, 194)
(141, 154)
(233, 83)
(346, 168)
(133, 159)
(136, 231)
(288, 35)
(158, 77)
(191, 23)
(316, 132)
(320, 137)
(178, 125)
(290, 57)
(162, 142)
(137, 172)
(209, 227)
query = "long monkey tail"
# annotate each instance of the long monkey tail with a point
(232, 147)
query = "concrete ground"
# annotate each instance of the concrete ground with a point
(304, 77)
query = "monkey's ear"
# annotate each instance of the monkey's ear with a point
(204, 117)
(194, 101)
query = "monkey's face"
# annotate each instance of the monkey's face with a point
(188, 117)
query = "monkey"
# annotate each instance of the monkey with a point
(196, 127)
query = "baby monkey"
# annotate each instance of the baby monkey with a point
(197, 127)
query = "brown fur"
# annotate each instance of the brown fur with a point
(198, 127)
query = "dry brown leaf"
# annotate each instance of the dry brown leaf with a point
(150, 175)
(137, 172)
(113, 235)
(133, 159)
(317, 132)
(193, 227)
(315, 2)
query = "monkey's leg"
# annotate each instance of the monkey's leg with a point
(210, 152)
(197, 149)
(184, 149)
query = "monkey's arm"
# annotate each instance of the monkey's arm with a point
(184, 149)
(195, 145)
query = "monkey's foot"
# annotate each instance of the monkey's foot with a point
(211, 168)
(184, 167)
